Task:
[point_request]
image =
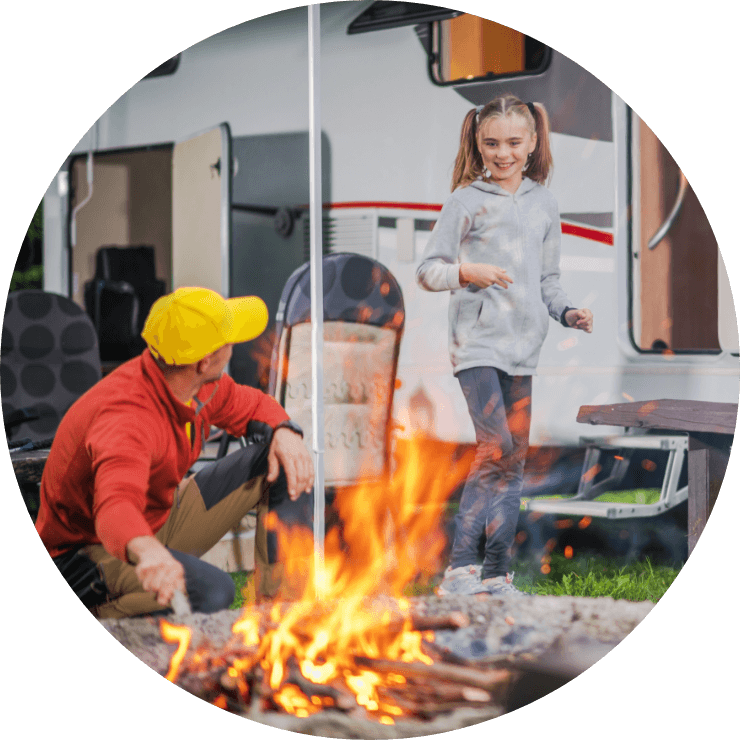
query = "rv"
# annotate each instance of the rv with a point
(207, 160)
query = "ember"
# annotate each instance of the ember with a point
(359, 649)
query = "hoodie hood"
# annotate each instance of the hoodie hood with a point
(492, 187)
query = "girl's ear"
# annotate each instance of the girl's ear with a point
(534, 143)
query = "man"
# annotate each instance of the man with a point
(116, 515)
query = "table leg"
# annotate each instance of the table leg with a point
(708, 457)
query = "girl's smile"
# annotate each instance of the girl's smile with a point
(505, 143)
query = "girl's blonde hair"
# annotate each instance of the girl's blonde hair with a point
(469, 164)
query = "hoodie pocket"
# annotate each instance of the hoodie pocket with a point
(467, 317)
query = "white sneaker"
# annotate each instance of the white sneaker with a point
(502, 586)
(462, 581)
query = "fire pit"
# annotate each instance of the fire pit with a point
(525, 647)
(350, 655)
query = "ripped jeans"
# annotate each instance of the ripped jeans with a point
(500, 407)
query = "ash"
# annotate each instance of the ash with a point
(559, 635)
(499, 628)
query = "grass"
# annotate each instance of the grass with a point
(596, 577)
(635, 496)
(586, 576)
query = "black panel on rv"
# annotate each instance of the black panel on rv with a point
(384, 14)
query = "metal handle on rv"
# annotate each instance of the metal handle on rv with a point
(683, 186)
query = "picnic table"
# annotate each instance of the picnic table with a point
(710, 427)
(28, 465)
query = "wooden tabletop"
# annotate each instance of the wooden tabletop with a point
(28, 465)
(683, 416)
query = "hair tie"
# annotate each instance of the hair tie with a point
(531, 110)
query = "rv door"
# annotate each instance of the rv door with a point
(201, 212)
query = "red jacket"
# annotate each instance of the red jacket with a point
(122, 449)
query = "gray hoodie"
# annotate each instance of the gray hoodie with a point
(520, 232)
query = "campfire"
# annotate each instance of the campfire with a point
(351, 643)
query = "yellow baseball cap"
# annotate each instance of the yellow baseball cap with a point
(185, 326)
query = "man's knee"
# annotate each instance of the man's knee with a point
(209, 588)
(218, 596)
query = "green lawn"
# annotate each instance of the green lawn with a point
(635, 496)
(586, 576)
(596, 576)
(583, 575)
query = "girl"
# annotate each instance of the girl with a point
(496, 248)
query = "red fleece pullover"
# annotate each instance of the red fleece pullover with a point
(122, 449)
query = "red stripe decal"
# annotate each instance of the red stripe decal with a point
(384, 204)
(582, 231)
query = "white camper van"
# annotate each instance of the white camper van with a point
(206, 159)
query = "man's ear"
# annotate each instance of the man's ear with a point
(202, 365)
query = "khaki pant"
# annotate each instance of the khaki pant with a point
(197, 521)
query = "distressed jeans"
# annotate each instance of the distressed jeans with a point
(500, 407)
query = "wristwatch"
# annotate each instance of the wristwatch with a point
(288, 424)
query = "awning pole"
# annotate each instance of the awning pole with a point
(317, 290)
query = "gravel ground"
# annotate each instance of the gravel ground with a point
(559, 635)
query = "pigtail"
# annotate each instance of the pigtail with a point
(540, 164)
(468, 163)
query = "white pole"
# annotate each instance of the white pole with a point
(317, 288)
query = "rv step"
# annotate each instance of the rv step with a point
(603, 509)
(637, 442)
(585, 502)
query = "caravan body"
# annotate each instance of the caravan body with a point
(210, 165)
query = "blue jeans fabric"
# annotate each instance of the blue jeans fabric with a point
(500, 407)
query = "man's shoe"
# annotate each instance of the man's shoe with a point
(462, 581)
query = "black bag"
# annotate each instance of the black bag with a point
(83, 576)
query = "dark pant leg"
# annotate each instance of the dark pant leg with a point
(507, 476)
(209, 588)
(218, 485)
(482, 391)
(499, 408)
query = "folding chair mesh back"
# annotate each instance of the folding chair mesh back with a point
(49, 359)
(363, 323)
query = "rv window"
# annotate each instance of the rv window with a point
(469, 48)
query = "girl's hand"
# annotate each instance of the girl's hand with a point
(580, 318)
(483, 276)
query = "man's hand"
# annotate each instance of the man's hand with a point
(156, 569)
(287, 449)
(483, 276)
(580, 318)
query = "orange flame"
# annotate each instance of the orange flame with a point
(390, 538)
(181, 635)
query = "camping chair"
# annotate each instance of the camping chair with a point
(363, 323)
(49, 359)
(119, 297)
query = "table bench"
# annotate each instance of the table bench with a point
(710, 427)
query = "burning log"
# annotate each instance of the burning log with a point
(450, 621)
(488, 680)
(340, 696)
